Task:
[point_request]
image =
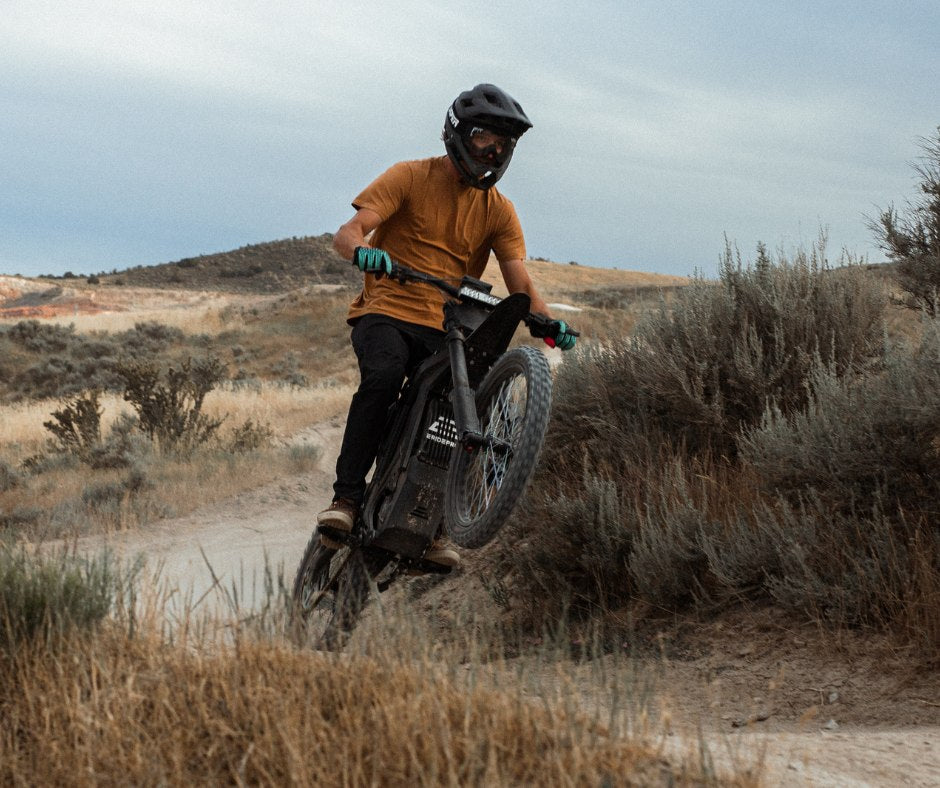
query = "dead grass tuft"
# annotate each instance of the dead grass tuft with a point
(123, 709)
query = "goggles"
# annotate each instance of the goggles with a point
(488, 146)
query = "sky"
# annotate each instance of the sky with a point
(137, 133)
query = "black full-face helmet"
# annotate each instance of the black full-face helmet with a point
(480, 133)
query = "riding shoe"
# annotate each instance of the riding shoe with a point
(442, 552)
(341, 516)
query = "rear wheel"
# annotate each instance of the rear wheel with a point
(330, 590)
(483, 487)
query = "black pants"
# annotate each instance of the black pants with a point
(388, 350)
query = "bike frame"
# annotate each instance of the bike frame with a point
(435, 415)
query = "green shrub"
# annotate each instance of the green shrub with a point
(912, 241)
(18, 518)
(668, 566)
(653, 423)
(9, 476)
(303, 457)
(41, 337)
(54, 361)
(108, 496)
(76, 426)
(170, 411)
(858, 568)
(579, 560)
(861, 439)
(46, 594)
(124, 446)
(249, 436)
(691, 377)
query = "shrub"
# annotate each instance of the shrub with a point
(170, 412)
(862, 439)
(77, 424)
(580, 560)
(124, 446)
(288, 370)
(250, 436)
(41, 337)
(692, 377)
(42, 595)
(858, 568)
(110, 495)
(9, 476)
(19, 517)
(148, 337)
(912, 241)
(653, 423)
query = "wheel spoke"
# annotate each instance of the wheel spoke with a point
(501, 425)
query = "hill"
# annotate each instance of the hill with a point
(272, 267)
(284, 266)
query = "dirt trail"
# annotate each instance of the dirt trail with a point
(199, 558)
(885, 736)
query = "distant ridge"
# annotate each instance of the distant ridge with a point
(272, 267)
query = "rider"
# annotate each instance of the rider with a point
(441, 216)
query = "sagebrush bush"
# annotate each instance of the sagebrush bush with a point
(169, 410)
(861, 439)
(55, 361)
(748, 436)
(76, 426)
(912, 241)
(9, 476)
(124, 446)
(48, 594)
(858, 568)
(41, 337)
(693, 375)
(580, 560)
(668, 566)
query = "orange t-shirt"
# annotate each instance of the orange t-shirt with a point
(433, 223)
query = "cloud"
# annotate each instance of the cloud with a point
(136, 133)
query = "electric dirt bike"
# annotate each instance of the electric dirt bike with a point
(460, 446)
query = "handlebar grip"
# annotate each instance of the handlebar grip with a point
(540, 327)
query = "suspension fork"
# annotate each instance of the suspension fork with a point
(463, 398)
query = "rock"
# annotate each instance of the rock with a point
(832, 725)
(759, 716)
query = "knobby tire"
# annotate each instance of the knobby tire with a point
(327, 612)
(483, 487)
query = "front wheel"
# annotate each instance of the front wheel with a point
(330, 590)
(483, 487)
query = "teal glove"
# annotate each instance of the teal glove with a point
(564, 338)
(372, 261)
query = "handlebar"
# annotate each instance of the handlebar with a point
(539, 326)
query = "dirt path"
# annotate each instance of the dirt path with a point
(814, 716)
(198, 559)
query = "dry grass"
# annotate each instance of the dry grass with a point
(69, 497)
(286, 410)
(555, 280)
(74, 500)
(118, 708)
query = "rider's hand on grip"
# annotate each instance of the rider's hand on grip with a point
(372, 261)
(555, 333)
(563, 336)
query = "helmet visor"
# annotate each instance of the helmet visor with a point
(489, 147)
